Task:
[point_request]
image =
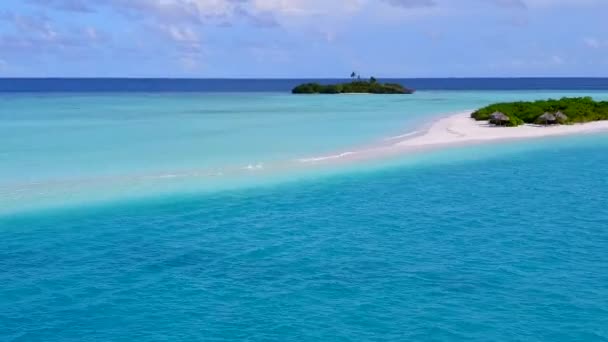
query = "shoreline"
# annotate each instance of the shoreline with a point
(450, 131)
(456, 130)
(461, 128)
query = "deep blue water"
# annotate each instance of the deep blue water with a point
(489, 243)
(507, 244)
(280, 85)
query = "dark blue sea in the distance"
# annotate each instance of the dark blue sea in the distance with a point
(282, 85)
(171, 210)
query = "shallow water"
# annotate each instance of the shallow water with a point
(73, 148)
(505, 247)
(491, 242)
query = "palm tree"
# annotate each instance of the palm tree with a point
(353, 75)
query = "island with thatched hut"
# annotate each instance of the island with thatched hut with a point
(357, 85)
(544, 112)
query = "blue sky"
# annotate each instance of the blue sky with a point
(303, 38)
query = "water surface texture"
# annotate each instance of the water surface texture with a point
(65, 148)
(145, 216)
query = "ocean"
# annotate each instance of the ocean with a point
(181, 210)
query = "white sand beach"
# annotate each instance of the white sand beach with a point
(455, 130)
(461, 128)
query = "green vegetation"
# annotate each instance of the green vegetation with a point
(356, 86)
(577, 110)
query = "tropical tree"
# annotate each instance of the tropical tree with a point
(353, 75)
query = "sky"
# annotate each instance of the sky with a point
(303, 38)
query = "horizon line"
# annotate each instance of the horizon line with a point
(284, 78)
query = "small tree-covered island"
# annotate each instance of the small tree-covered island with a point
(358, 85)
(544, 112)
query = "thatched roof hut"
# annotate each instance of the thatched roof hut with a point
(498, 118)
(561, 117)
(547, 119)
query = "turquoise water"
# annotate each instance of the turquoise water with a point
(65, 149)
(501, 242)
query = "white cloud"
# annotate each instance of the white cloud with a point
(37, 25)
(92, 33)
(181, 34)
(595, 43)
(541, 63)
(510, 3)
(39, 35)
(188, 45)
(201, 11)
(189, 63)
(557, 3)
(412, 3)
(557, 60)
(592, 43)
